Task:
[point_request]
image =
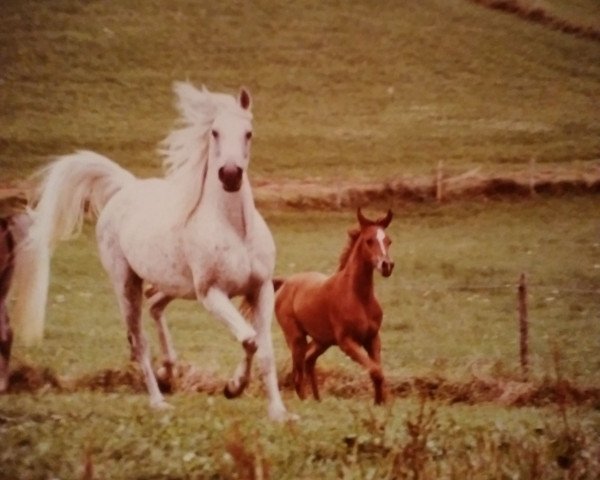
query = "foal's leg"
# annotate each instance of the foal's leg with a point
(373, 348)
(158, 302)
(315, 350)
(296, 342)
(262, 319)
(219, 304)
(7, 249)
(355, 351)
(6, 337)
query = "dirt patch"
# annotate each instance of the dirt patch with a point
(190, 379)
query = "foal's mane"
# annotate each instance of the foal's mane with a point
(353, 236)
(185, 149)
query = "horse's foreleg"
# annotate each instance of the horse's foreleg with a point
(315, 350)
(6, 337)
(351, 348)
(374, 350)
(219, 304)
(262, 319)
(158, 302)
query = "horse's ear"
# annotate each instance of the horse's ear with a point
(245, 99)
(385, 221)
(362, 220)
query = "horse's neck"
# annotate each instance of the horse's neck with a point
(236, 209)
(359, 275)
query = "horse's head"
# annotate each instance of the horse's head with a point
(375, 243)
(230, 138)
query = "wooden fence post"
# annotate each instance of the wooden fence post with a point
(523, 326)
(532, 176)
(439, 182)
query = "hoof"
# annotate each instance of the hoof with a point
(250, 346)
(230, 391)
(283, 416)
(161, 405)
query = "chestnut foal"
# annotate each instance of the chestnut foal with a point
(340, 309)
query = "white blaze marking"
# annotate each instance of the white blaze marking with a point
(380, 238)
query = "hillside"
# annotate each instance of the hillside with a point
(369, 91)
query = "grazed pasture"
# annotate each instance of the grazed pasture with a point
(450, 322)
(364, 92)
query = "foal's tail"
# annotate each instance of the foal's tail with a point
(70, 186)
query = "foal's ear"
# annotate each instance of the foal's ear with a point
(353, 233)
(245, 99)
(385, 221)
(362, 220)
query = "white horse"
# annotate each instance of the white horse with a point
(194, 234)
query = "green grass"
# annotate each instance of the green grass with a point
(124, 440)
(437, 322)
(368, 90)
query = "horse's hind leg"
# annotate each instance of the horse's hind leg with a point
(314, 351)
(128, 289)
(296, 341)
(158, 302)
(7, 247)
(6, 337)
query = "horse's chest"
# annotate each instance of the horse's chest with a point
(362, 320)
(232, 265)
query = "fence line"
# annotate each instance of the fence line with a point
(505, 286)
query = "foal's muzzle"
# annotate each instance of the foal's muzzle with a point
(231, 177)
(386, 268)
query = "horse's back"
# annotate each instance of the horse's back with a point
(305, 298)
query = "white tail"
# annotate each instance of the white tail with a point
(70, 185)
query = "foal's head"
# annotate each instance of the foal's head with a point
(373, 243)
(230, 137)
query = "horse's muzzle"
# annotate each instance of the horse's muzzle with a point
(386, 268)
(231, 177)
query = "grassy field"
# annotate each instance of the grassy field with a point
(369, 90)
(358, 91)
(450, 314)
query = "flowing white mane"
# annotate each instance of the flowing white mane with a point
(198, 109)
(185, 150)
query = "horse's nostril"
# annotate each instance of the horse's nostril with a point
(386, 268)
(231, 177)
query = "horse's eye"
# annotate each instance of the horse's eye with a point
(370, 242)
(248, 135)
(215, 134)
